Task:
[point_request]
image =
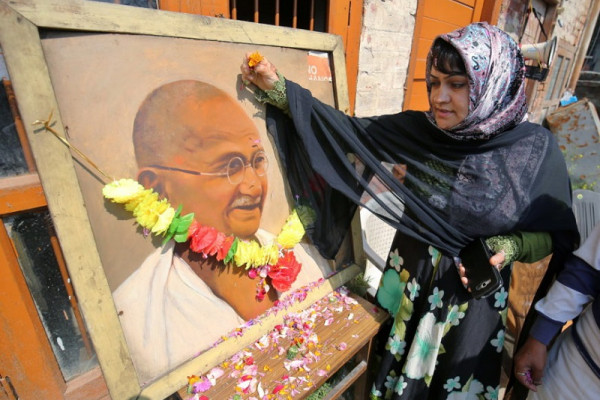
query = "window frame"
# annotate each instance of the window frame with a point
(18, 194)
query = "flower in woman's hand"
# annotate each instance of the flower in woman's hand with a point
(254, 59)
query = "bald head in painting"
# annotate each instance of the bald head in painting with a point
(196, 146)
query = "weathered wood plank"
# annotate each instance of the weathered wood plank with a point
(177, 378)
(348, 331)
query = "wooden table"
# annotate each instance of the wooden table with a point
(335, 330)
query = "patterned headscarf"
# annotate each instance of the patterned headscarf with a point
(496, 72)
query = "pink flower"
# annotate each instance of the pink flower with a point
(213, 248)
(194, 226)
(202, 385)
(215, 374)
(278, 388)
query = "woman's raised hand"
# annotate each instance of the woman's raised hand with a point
(258, 70)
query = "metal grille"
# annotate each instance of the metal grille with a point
(300, 14)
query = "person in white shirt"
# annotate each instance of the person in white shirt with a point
(570, 369)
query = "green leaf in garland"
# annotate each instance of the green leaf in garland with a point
(179, 227)
(232, 251)
(181, 233)
(173, 227)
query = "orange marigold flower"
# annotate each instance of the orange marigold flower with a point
(254, 59)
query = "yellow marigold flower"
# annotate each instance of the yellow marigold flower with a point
(271, 254)
(122, 191)
(164, 220)
(147, 195)
(254, 59)
(258, 255)
(247, 253)
(241, 254)
(147, 211)
(254, 254)
(265, 255)
(292, 232)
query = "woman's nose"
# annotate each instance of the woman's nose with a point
(441, 95)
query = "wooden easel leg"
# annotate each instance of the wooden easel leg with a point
(361, 389)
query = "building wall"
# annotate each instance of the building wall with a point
(573, 15)
(384, 55)
(386, 42)
(511, 16)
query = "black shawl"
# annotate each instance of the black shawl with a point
(453, 191)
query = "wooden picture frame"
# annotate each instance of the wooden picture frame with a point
(24, 25)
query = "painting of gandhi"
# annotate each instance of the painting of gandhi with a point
(197, 147)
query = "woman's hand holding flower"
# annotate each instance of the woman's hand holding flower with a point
(258, 70)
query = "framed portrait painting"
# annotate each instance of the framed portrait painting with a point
(136, 117)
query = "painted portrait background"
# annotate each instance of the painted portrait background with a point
(100, 81)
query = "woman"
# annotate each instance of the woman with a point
(474, 169)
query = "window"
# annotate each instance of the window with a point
(30, 253)
(341, 17)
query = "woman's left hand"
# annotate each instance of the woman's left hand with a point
(496, 260)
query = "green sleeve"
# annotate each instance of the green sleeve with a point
(521, 246)
(276, 97)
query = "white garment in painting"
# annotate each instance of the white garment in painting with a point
(169, 315)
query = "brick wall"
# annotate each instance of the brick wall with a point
(569, 27)
(572, 20)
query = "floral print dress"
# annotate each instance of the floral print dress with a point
(443, 344)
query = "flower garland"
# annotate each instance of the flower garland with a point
(276, 261)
